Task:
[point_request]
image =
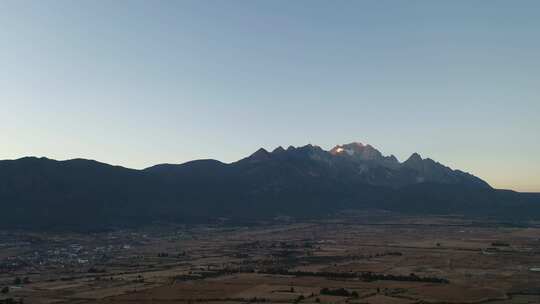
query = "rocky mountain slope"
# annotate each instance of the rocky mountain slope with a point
(303, 182)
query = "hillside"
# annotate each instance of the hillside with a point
(302, 182)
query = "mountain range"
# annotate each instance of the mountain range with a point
(298, 181)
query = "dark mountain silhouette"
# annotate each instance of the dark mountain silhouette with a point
(302, 182)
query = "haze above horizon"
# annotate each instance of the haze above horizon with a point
(139, 83)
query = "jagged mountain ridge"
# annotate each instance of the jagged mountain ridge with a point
(365, 163)
(302, 181)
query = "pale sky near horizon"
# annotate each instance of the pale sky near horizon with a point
(136, 83)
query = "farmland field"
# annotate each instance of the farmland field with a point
(354, 258)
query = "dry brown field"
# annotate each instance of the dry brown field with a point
(379, 259)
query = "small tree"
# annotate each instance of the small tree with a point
(17, 281)
(5, 290)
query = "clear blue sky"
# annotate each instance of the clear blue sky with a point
(137, 83)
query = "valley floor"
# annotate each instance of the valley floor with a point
(356, 258)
